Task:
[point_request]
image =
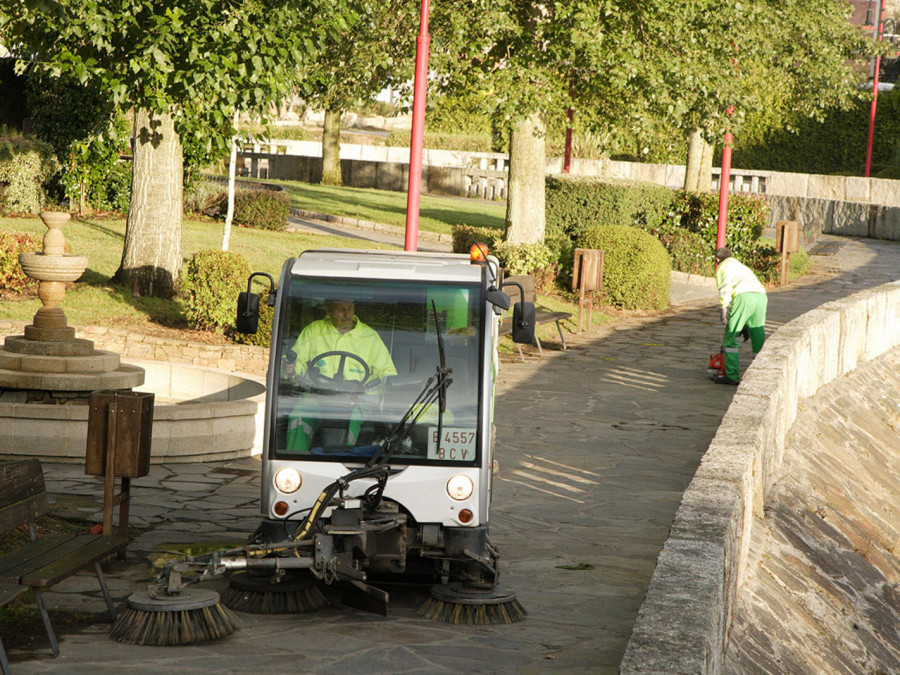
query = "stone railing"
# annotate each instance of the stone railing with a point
(683, 624)
(846, 205)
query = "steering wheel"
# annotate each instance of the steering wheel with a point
(337, 381)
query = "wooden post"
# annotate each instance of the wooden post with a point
(109, 483)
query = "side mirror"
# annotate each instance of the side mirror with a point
(247, 313)
(523, 323)
(247, 320)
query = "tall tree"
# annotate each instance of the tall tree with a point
(208, 57)
(375, 50)
(642, 65)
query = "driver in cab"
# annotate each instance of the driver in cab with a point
(363, 358)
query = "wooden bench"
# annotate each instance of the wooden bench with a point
(541, 317)
(45, 561)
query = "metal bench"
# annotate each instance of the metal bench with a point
(45, 561)
(527, 283)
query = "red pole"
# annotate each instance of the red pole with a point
(724, 180)
(418, 132)
(871, 138)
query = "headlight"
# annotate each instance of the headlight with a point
(460, 487)
(288, 480)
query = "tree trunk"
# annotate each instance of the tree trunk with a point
(151, 258)
(232, 166)
(331, 148)
(698, 169)
(705, 182)
(525, 216)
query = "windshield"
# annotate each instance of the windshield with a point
(355, 354)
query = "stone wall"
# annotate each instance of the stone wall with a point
(683, 624)
(135, 346)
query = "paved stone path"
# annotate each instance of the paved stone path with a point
(595, 444)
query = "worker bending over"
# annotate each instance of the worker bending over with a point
(744, 302)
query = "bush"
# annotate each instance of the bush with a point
(466, 235)
(207, 198)
(536, 260)
(211, 283)
(635, 266)
(747, 217)
(688, 251)
(25, 167)
(262, 209)
(575, 204)
(12, 279)
(263, 335)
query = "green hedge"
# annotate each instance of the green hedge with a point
(211, 283)
(26, 168)
(834, 145)
(685, 223)
(576, 203)
(262, 209)
(636, 266)
(464, 236)
(12, 279)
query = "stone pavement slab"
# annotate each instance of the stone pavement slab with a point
(596, 445)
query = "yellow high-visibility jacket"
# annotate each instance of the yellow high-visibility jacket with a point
(734, 278)
(321, 336)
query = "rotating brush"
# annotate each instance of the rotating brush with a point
(192, 615)
(459, 604)
(258, 594)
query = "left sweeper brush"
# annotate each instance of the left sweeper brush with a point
(184, 616)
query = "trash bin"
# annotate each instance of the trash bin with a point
(119, 422)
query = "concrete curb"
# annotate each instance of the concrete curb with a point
(684, 620)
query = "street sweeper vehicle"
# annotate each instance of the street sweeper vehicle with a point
(378, 445)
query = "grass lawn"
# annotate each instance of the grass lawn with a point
(436, 214)
(95, 300)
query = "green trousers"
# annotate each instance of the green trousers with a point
(747, 309)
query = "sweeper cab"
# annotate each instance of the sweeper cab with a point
(378, 445)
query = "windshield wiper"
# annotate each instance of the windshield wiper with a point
(434, 391)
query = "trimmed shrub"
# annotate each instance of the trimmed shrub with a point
(466, 235)
(25, 167)
(635, 266)
(575, 204)
(262, 209)
(263, 335)
(12, 279)
(211, 283)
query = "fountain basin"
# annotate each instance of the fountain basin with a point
(201, 414)
(45, 267)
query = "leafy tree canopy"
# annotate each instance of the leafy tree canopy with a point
(199, 60)
(375, 50)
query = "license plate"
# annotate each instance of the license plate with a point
(457, 444)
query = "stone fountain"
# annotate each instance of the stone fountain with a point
(48, 364)
(200, 414)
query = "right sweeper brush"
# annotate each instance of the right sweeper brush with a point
(261, 594)
(471, 606)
